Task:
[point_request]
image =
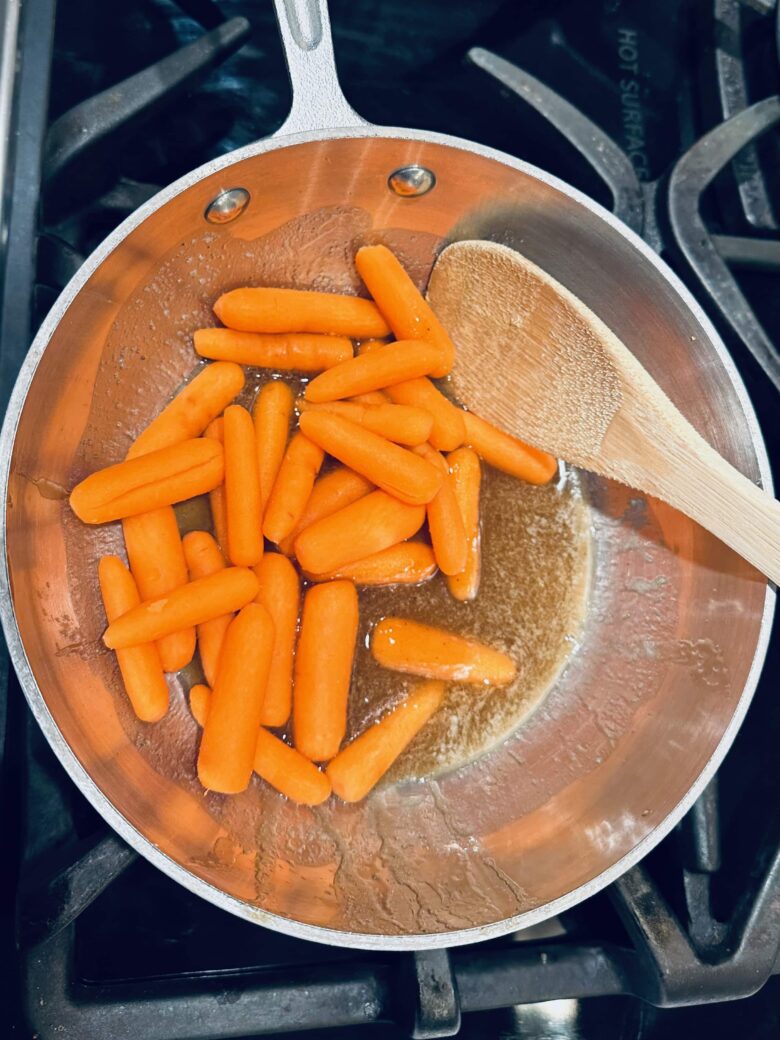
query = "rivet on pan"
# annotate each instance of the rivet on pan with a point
(411, 181)
(227, 206)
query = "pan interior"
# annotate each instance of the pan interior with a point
(663, 653)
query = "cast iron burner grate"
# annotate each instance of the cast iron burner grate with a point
(107, 946)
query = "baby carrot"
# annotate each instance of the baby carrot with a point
(409, 646)
(192, 604)
(140, 666)
(148, 482)
(323, 668)
(374, 370)
(280, 594)
(275, 762)
(271, 415)
(373, 523)
(465, 469)
(293, 310)
(242, 488)
(396, 422)
(192, 409)
(445, 522)
(299, 351)
(404, 308)
(508, 453)
(363, 762)
(292, 487)
(216, 432)
(227, 747)
(330, 493)
(157, 562)
(407, 563)
(204, 557)
(395, 469)
(449, 430)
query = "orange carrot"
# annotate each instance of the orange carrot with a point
(373, 523)
(204, 557)
(275, 762)
(399, 472)
(192, 604)
(192, 409)
(396, 422)
(200, 696)
(407, 563)
(445, 522)
(216, 432)
(409, 646)
(271, 413)
(374, 370)
(227, 748)
(242, 488)
(449, 430)
(465, 469)
(363, 762)
(300, 351)
(148, 482)
(292, 487)
(280, 594)
(156, 556)
(330, 493)
(291, 310)
(140, 666)
(404, 308)
(323, 668)
(508, 453)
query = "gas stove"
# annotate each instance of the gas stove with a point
(668, 113)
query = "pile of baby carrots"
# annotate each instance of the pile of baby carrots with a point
(405, 455)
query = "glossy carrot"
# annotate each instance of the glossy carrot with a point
(192, 604)
(403, 306)
(299, 351)
(409, 646)
(216, 432)
(293, 310)
(395, 422)
(271, 414)
(280, 593)
(364, 761)
(192, 409)
(374, 370)
(323, 668)
(204, 557)
(466, 476)
(394, 469)
(139, 666)
(445, 522)
(330, 493)
(148, 482)
(156, 555)
(292, 487)
(243, 505)
(275, 762)
(373, 523)
(227, 747)
(508, 453)
(407, 563)
(449, 428)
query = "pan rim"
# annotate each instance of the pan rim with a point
(63, 751)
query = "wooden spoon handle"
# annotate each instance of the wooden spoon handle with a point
(678, 466)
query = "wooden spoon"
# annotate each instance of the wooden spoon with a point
(534, 360)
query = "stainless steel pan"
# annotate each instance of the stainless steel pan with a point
(677, 626)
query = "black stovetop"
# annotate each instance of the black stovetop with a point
(96, 943)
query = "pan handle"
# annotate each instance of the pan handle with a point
(318, 102)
